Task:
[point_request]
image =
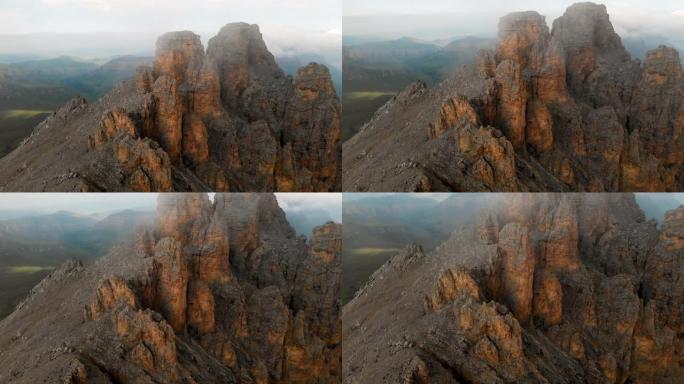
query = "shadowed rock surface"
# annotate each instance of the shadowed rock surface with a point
(545, 288)
(221, 292)
(225, 120)
(565, 109)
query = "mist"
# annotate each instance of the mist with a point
(91, 29)
(652, 23)
(314, 208)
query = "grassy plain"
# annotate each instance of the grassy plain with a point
(358, 265)
(15, 282)
(358, 108)
(16, 124)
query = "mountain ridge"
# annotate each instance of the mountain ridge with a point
(548, 110)
(224, 119)
(213, 292)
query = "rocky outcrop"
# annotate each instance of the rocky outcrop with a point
(315, 142)
(580, 113)
(517, 270)
(110, 293)
(227, 119)
(246, 68)
(673, 227)
(512, 98)
(149, 343)
(491, 156)
(542, 288)
(581, 80)
(112, 124)
(453, 110)
(217, 292)
(451, 284)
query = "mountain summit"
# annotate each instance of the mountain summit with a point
(564, 109)
(213, 292)
(227, 119)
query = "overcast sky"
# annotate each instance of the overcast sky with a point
(449, 18)
(287, 25)
(354, 196)
(365, 7)
(102, 203)
(443, 196)
(79, 203)
(303, 202)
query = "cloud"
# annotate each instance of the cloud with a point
(81, 203)
(438, 19)
(310, 202)
(91, 203)
(284, 39)
(98, 4)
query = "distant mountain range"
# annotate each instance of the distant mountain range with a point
(374, 71)
(32, 246)
(377, 227)
(31, 90)
(33, 240)
(305, 222)
(49, 83)
(392, 65)
(32, 86)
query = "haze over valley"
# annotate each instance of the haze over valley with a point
(52, 51)
(387, 46)
(39, 232)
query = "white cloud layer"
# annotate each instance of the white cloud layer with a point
(452, 18)
(308, 202)
(302, 25)
(80, 203)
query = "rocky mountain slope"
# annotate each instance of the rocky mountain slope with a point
(227, 119)
(546, 288)
(375, 71)
(49, 83)
(221, 292)
(547, 110)
(31, 247)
